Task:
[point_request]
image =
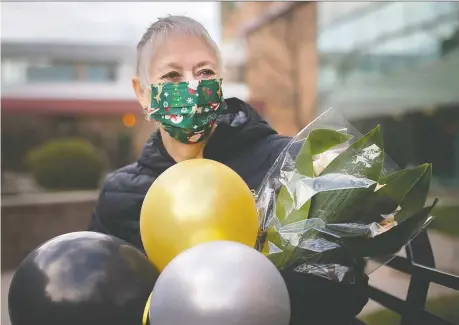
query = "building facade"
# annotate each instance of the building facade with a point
(393, 65)
(396, 64)
(53, 90)
(280, 60)
(390, 63)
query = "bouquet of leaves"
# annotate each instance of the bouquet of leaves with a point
(334, 199)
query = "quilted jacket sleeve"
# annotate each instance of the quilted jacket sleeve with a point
(118, 208)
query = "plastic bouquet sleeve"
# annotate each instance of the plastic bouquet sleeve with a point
(333, 200)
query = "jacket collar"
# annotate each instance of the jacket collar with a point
(237, 129)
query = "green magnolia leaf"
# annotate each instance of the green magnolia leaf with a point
(284, 205)
(321, 140)
(416, 198)
(386, 200)
(318, 141)
(285, 252)
(303, 162)
(298, 215)
(391, 241)
(363, 159)
(385, 179)
(285, 211)
(286, 215)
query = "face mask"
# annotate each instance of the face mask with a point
(187, 110)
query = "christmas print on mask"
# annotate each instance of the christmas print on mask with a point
(187, 110)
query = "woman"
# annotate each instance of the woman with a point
(178, 85)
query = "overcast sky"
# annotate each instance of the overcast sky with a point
(109, 22)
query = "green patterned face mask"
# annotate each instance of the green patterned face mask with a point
(187, 110)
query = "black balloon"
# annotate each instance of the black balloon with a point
(81, 278)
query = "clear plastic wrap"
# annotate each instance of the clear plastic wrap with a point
(333, 200)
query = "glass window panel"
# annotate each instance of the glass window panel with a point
(390, 47)
(95, 73)
(327, 41)
(418, 12)
(368, 27)
(340, 39)
(57, 73)
(442, 8)
(354, 33)
(327, 76)
(391, 18)
(420, 44)
(379, 57)
(406, 52)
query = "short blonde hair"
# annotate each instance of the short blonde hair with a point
(159, 31)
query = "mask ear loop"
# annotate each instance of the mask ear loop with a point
(146, 312)
(147, 115)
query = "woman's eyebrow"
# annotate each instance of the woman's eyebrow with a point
(170, 65)
(203, 64)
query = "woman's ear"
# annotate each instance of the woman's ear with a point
(142, 94)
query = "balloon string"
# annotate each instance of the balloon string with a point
(146, 311)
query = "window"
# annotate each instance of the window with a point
(339, 40)
(99, 72)
(368, 26)
(418, 44)
(327, 77)
(71, 72)
(58, 72)
(391, 37)
(447, 7)
(418, 12)
(391, 18)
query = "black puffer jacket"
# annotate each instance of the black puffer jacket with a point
(247, 144)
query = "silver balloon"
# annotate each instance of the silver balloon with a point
(220, 283)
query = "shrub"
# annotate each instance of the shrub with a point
(66, 164)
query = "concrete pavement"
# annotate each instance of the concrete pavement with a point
(5, 283)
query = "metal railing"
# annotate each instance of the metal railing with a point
(420, 264)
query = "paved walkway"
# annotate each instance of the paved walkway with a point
(49, 198)
(6, 280)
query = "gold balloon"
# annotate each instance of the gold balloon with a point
(193, 202)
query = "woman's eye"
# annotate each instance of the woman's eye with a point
(206, 72)
(171, 75)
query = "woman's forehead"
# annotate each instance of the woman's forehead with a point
(181, 52)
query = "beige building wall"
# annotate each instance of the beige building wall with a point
(305, 17)
(235, 14)
(281, 70)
